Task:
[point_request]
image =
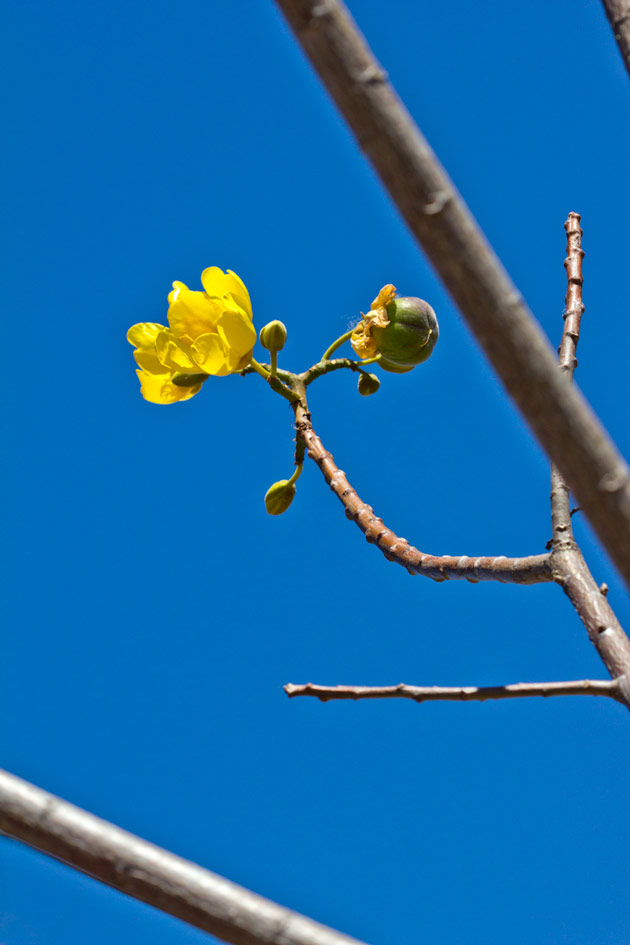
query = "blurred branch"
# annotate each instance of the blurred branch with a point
(150, 873)
(567, 562)
(514, 343)
(528, 570)
(618, 13)
(580, 687)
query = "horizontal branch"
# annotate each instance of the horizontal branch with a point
(150, 873)
(528, 570)
(580, 687)
(515, 345)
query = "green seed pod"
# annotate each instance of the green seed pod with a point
(273, 336)
(279, 497)
(394, 368)
(188, 380)
(410, 336)
(368, 384)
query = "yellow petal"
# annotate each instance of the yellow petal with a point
(143, 335)
(385, 296)
(362, 342)
(191, 313)
(238, 333)
(172, 354)
(148, 361)
(159, 389)
(211, 354)
(218, 284)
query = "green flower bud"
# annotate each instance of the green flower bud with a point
(410, 336)
(368, 384)
(279, 497)
(188, 380)
(273, 336)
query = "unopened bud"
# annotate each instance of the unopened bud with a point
(368, 384)
(279, 497)
(273, 336)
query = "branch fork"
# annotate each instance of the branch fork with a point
(563, 564)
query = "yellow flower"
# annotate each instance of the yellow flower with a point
(209, 332)
(361, 339)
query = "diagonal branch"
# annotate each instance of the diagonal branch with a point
(529, 570)
(580, 687)
(618, 13)
(514, 343)
(151, 874)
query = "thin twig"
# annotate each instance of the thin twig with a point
(618, 13)
(580, 687)
(527, 570)
(327, 366)
(559, 416)
(151, 874)
(562, 528)
(567, 562)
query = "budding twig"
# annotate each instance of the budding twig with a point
(580, 687)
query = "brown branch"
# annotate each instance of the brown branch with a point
(567, 562)
(562, 527)
(580, 687)
(618, 13)
(151, 874)
(528, 570)
(559, 416)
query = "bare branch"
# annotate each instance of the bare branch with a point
(567, 361)
(529, 570)
(151, 874)
(567, 562)
(559, 416)
(580, 687)
(618, 13)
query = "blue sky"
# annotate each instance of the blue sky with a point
(153, 611)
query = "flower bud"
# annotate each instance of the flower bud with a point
(279, 497)
(273, 336)
(410, 336)
(368, 384)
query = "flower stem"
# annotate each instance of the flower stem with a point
(296, 475)
(337, 344)
(370, 360)
(274, 363)
(259, 369)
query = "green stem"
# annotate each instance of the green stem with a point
(325, 367)
(371, 360)
(259, 369)
(296, 475)
(274, 363)
(337, 344)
